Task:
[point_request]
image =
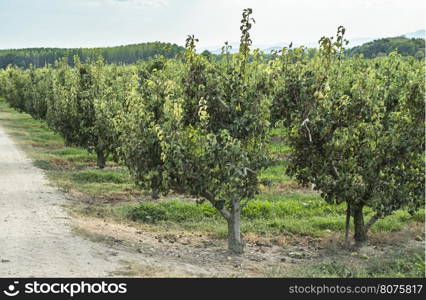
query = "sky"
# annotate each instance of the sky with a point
(95, 23)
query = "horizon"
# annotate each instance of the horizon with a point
(114, 23)
(203, 48)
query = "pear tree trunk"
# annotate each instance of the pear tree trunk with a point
(360, 230)
(155, 195)
(233, 218)
(347, 224)
(235, 243)
(101, 158)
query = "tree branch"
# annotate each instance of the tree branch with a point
(304, 123)
(372, 221)
(225, 213)
(209, 196)
(336, 173)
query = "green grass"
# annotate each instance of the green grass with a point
(101, 176)
(73, 155)
(273, 212)
(278, 146)
(71, 168)
(293, 213)
(276, 173)
(400, 263)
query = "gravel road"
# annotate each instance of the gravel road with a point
(36, 237)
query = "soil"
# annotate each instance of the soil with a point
(36, 237)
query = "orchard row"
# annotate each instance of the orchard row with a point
(200, 127)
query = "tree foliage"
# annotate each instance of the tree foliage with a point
(129, 54)
(357, 132)
(406, 47)
(204, 137)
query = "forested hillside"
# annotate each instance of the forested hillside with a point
(406, 47)
(39, 57)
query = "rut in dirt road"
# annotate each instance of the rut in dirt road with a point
(35, 234)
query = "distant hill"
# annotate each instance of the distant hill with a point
(419, 34)
(39, 57)
(267, 48)
(408, 44)
(404, 45)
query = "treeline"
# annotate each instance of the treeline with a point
(40, 57)
(200, 127)
(129, 54)
(406, 47)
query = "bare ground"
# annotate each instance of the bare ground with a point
(36, 238)
(194, 254)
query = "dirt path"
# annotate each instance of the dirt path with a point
(36, 238)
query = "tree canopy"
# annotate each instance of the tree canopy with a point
(40, 57)
(404, 46)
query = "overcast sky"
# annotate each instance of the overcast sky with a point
(91, 23)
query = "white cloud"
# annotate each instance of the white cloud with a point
(91, 3)
(112, 22)
(155, 3)
(125, 3)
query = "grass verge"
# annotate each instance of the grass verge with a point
(399, 263)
